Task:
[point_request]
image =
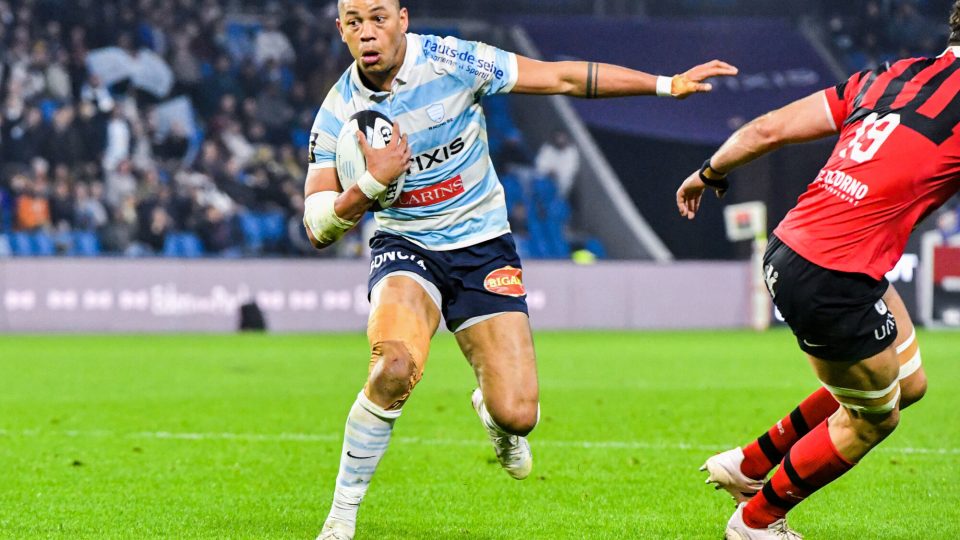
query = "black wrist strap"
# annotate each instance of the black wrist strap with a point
(721, 184)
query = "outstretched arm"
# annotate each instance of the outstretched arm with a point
(803, 120)
(595, 80)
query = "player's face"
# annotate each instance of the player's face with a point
(374, 32)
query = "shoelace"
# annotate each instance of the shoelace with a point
(510, 444)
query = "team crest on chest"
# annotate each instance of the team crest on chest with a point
(436, 112)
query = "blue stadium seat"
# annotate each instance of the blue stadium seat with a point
(595, 246)
(183, 244)
(5, 249)
(512, 190)
(43, 244)
(252, 231)
(273, 226)
(190, 246)
(20, 244)
(170, 245)
(85, 244)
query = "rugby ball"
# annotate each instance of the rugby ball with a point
(350, 161)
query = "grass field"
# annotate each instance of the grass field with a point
(239, 437)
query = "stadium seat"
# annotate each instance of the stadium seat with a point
(512, 190)
(252, 231)
(42, 244)
(595, 246)
(20, 244)
(185, 245)
(85, 244)
(190, 246)
(273, 226)
(5, 249)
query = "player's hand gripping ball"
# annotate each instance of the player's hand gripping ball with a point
(351, 164)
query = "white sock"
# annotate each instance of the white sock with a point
(365, 441)
(489, 422)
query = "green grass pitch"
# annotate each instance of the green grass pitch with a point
(239, 437)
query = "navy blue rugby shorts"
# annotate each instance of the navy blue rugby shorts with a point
(471, 282)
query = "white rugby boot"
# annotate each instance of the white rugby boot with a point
(513, 451)
(724, 471)
(336, 530)
(738, 530)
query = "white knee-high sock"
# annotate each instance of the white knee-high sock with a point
(365, 441)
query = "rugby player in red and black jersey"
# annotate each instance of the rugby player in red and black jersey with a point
(897, 160)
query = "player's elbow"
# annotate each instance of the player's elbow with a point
(767, 131)
(317, 244)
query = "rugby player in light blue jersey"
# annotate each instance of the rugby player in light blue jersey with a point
(444, 248)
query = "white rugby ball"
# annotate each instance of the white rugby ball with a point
(350, 161)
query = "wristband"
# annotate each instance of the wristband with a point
(370, 187)
(664, 86)
(720, 184)
(320, 217)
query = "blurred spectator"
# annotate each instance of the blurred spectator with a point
(216, 231)
(512, 154)
(868, 33)
(559, 159)
(90, 211)
(271, 44)
(62, 214)
(158, 225)
(32, 205)
(118, 140)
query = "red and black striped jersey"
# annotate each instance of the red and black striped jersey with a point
(897, 160)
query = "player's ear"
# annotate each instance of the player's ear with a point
(404, 19)
(340, 30)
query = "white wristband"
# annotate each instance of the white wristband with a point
(370, 186)
(664, 86)
(320, 217)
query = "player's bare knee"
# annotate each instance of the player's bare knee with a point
(873, 428)
(395, 373)
(913, 389)
(517, 417)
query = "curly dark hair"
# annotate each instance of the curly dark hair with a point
(955, 23)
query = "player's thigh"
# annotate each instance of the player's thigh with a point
(402, 311)
(501, 351)
(867, 389)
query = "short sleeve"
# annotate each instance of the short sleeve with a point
(484, 68)
(323, 136)
(840, 98)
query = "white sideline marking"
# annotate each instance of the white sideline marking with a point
(337, 437)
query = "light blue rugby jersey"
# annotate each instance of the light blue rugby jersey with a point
(452, 197)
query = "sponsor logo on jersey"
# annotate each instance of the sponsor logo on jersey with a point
(467, 61)
(842, 185)
(887, 328)
(507, 281)
(435, 157)
(770, 277)
(430, 195)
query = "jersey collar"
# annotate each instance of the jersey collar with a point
(955, 49)
(403, 76)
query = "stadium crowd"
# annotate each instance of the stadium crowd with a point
(135, 163)
(212, 160)
(866, 33)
